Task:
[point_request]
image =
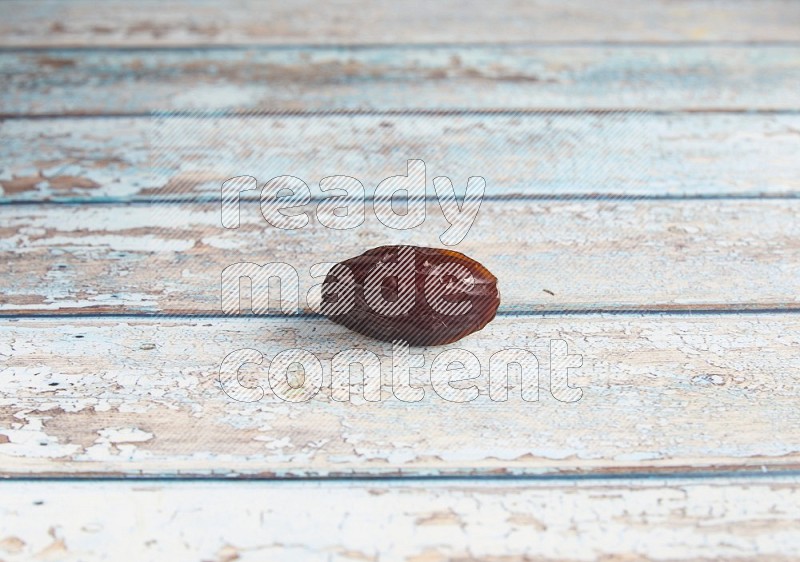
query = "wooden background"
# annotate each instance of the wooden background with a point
(642, 162)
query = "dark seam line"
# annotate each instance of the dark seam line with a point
(765, 473)
(206, 47)
(423, 112)
(700, 311)
(591, 197)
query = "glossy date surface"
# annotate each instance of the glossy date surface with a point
(423, 296)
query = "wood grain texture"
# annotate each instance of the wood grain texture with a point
(128, 397)
(717, 519)
(95, 82)
(547, 255)
(193, 22)
(549, 154)
(679, 99)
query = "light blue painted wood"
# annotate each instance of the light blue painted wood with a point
(682, 394)
(567, 154)
(438, 78)
(548, 256)
(358, 22)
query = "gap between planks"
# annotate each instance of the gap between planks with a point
(466, 45)
(673, 310)
(168, 200)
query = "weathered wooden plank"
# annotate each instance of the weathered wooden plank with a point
(676, 393)
(192, 22)
(685, 519)
(547, 255)
(543, 154)
(94, 82)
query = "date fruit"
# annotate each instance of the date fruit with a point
(424, 296)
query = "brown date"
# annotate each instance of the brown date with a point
(424, 296)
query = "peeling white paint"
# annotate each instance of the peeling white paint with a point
(679, 519)
(158, 377)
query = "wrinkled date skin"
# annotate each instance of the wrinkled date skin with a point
(424, 296)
